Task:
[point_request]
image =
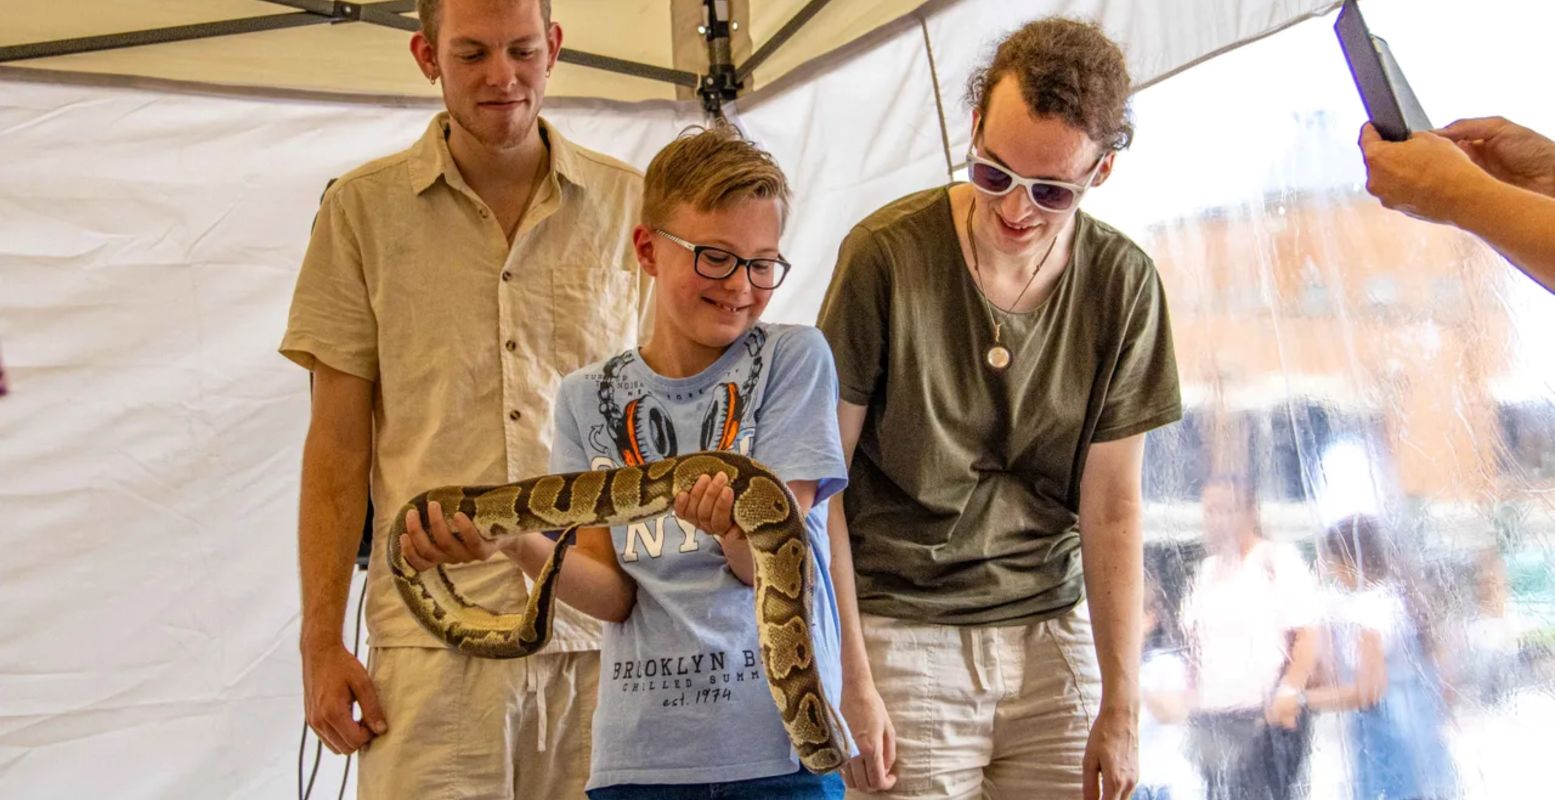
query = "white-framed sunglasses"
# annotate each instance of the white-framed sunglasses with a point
(1054, 196)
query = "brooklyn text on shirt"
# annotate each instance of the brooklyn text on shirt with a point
(701, 675)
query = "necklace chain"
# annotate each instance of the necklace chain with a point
(998, 355)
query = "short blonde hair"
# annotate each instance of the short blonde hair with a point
(710, 169)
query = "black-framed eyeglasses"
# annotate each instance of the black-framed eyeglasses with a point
(717, 263)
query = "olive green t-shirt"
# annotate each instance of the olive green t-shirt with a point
(964, 490)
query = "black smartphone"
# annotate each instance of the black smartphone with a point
(1390, 103)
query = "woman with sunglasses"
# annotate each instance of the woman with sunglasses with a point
(1001, 355)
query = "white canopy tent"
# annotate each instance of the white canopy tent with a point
(359, 48)
(154, 206)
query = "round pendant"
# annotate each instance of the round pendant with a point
(998, 357)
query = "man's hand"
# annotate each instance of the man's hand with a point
(1507, 151)
(1425, 177)
(867, 719)
(1112, 756)
(331, 679)
(1284, 709)
(425, 548)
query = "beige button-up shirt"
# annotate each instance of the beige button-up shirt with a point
(409, 282)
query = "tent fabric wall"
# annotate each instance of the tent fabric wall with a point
(151, 437)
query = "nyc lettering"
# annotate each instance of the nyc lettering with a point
(651, 533)
(653, 541)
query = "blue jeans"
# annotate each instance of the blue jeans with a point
(798, 785)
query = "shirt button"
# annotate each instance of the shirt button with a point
(507, 275)
(514, 415)
(511, 345)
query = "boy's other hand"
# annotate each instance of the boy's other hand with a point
(710, 506)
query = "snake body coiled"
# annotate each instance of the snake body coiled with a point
(764, 511)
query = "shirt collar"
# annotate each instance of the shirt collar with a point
(430, 158)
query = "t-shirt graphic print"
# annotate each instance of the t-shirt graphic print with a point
(683, 691)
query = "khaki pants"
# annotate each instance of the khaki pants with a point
(466, 728)
(983, 711)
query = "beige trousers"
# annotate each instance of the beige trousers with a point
(466, 728)
(997, 712)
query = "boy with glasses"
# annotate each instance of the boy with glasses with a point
(684, 706)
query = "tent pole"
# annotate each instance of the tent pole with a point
(778, 39)
(313, 12)
(177, 33)
(939, 103)
(722, 83)
(387, 14)
(637, 69)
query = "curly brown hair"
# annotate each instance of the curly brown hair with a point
(1068, 69)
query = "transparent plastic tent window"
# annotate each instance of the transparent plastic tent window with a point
(1339, 360)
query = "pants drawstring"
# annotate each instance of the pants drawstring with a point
(973, 642)
(532, 687)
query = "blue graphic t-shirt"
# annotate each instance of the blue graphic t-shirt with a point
(683, 695)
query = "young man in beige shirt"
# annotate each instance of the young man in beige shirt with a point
(445, 292)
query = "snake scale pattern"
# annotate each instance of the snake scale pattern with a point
(763, 509)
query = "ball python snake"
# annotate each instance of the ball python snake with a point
(763, 509)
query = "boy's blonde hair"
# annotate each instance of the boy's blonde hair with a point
(710, 169)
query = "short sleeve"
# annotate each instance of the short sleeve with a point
(856, 314)
(1189, 611)
(1143, 393)
(567, 453)
(331, 318)
(1301, 603)
(1378, 610)
(797, 434)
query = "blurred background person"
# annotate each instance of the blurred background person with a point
(1385, 675)
(1248, 619)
